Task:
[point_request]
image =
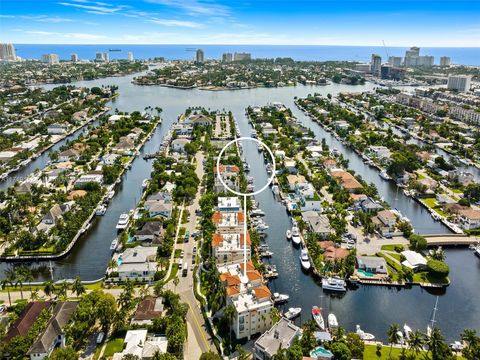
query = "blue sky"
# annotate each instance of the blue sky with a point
(296, 22)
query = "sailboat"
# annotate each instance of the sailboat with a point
(317, 316)
(432, 321)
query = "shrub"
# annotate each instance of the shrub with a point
(438, 268)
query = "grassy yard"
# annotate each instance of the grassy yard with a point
(370, 353)
(113, 346)
(390, 247)
(432, 203)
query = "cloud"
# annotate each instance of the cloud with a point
(45, 18)
(178, 23)
(195, 7)
(99, 8)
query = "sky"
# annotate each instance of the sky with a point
(431, 23)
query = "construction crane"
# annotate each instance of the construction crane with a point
(386, 50)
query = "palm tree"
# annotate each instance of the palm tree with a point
(144, 291)
(62, 290)
(176, 280)
(6, 284)
(470, 337)
(229, 314)
(434, 342)
(416, 340)
(77, 286)
(34, 295)
(112, 264)
(49, 288)
(393, 337)
(19, 282)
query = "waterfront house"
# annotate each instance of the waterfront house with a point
(429, 185)
(56, 129)
(159, 208)
(290, 166)
(115, 117)
(183, 129)
(469, 218)
(26, 319)
(295, 180)
(346, 180)
(372, 264)
(52, 216)
(198, 119)
(53, 335)
(332, 252)
(230, 176)
(124, 146)
(230, 248)
(444, 199)
(178, 145)
(68, 155)
(317, 223)
(110, 159)
(160, 196)
(231, 203)
(414, 260)
(139, 345)
(380, 152)
(92, 177)
(368, 205)
(329, 164)
(138, 263)
(150, 231)
(385, 222)
(228, 222)
(279, 154)
(24, 188)
(148, 309)
(308, 197)
(279, 336)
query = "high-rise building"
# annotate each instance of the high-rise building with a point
(411, 56)
(7, 52)
(444, 61)
(366, 68)
(227, 57)
(459, 82)
(50, 59)
(199, 56)
(395, 60)
(389, 72)
(130, 56)
(74, 58)
(99, 56)
(106, 57)
(376, 63)
(242, 56)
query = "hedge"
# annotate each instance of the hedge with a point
(438, 268)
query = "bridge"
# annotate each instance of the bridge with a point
(451, 240)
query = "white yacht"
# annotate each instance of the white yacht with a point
(383, 174)
(110, 195)
(145, 183)
(280, 298)
(332, 322)
(407, 330)
(317, 316)
(364, 335)
(257, 212)
(292, 313)
(477, 250)
(101, 210)
(122, 221)
(114, 244)
(296, 235)
(305, 260)
(289, 234)
(334, 284)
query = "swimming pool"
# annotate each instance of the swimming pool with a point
(321, 351)
(365, 273)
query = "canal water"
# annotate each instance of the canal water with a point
(375, 308)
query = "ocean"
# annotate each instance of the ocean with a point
(464, 56)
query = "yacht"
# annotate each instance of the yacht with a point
(332, 322)
(383, 174)
(110, 195)
(407, 330)
(477, 250)
(292, 313)
(305, 260)
(269, 168)
(114, 244)
(101, 210)
(280, 298)
(334, 284)
(364, 335)
(317, 316)
(257, 212)
(144, 183)
(295, 235)
(289, 234)
(122, 221)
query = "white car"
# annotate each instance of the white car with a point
(3, 308)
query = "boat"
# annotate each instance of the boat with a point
(334, 284)
(266, 254)
(122, 221)
(457, 346)
(383, 174)
(305, 260)
(257, 212)
(364, 335)
(332, 322)
(114, 244)
(289, 234)
(296, 235)
(269, 168)
(292, 313)
(145, 183)
(476, 250)
(110, 195)
(407, 330)
(101, 210)
(317, 316)
(280, 298)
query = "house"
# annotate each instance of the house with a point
(178, 145)
(115, 117)
(53, 335)
(330, 164)
(308, 197)
(385, 222)
(6, 156)
(372, 264)
(183, 130)
(444, 199)
(52, 216)
(279, 336)
(149, 308)
(346, 180)
(430, 185)
(229, 203)
(149, 231)
(290, 166)
(158, 208)
(124, 146)
(160, 196)
(414, 260)
(68, 155)
(56, 129)
(138, 263)
(198, 119)
(141, 346)
(91, 177)
(230, 248)
(294, 180)
(469, 218)
(26, 319)
(228, 222)
(230, 176)
(332, 252)
(368, 205)
(380, 152)
(110, 159)
(24, 188)
(317, 223)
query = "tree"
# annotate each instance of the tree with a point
(158, 288)
(176, 280)
(437, 268)
(48, 288)
(210, 356)
(6, 284)
(340, 351)
(66, 353)
(228, 315)
(415, 341)
(437, 346)
(417, 242)
(393, 336)
(77, 286)
(472, 350)
(144, 291)
(356, 345)
(164, 356)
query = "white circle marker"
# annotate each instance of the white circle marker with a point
(236, 141)
(270, 179)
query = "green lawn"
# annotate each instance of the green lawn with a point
(113, 346)
(390, 247)
(432, 203)
(370, 353)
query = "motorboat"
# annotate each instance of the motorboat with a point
(383, 174)
(122, 221)
(477, 250)
(257, 212)
(364, 335)
(292, 313)
(317, 316)
(101, 210)
(269, 168)
(280, 298)
(289, 234)
(305, 260)
(334, 284)
(407, 330)
(114, 244)
(332, 322)
(145, 183)
(110, 195)
(457, 346)
(296, 235)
